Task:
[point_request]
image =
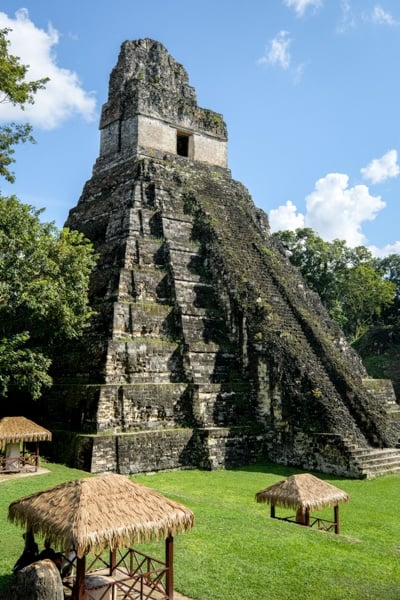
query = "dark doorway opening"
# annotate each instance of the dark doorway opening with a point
(182, 144)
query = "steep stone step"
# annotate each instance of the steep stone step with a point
(179, 228)
(184, 263)
(193, 297)
(202, 328)
(373, 462)
(210, 367)
(141, 319)
(196, 327)
(139, 221)
(216, 405)
(383, 390)
(139, 406)
(380, 462)
(204, 404)
(376, 454)
(394, 413)
(150, 252)
(145, 284)
(143, 359)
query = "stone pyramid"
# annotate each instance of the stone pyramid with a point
(207, 349)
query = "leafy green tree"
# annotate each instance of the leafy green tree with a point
(14, 89)
(44, 276)
(391, 267)
(350, 282)
(318, 261)
(365, 295)
(44, 272)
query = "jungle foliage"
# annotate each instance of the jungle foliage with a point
(44, 272)
(358, 290)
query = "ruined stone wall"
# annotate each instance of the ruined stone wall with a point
(144, 136)
(149, 451)
(209, 150)
(149, 102)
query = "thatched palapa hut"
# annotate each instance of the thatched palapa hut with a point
(15, 431)
(305, 492)
(111, 512)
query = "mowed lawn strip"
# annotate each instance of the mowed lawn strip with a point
(236, 551)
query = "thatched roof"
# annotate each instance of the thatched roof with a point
(94, 513)
(19, 429)
(302, 491)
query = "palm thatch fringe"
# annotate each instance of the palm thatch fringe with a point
(18, 429)
(302, 491)
(95, 513)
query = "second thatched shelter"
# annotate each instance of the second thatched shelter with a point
(95, 513)
(304, 492)
(15, 431)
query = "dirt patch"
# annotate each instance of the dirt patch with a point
(8, 476)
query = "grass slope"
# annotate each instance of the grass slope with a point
(235, 551)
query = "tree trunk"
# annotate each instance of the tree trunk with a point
(39, 581)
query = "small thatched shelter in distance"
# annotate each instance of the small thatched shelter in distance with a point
(304, 492)
(95, 513)
(13, 432)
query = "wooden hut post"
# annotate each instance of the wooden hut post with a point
(307, 517)
(113, 560)
(336, 517)
(169, 561)
(300, 516)
(37, 458)
(272, 511)
(79, 586)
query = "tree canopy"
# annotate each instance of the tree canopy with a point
(44, 271)
(356, 288)
(44, 275)
(14, 88)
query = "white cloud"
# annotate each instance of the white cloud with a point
(298, 73)
(277, 54)
(337, 211)
(386, 250)
(333, 210)
(380, 17)
(278, 51)
(380, 169)
(285, 217)
(300, 6)
(63, 96)
(347, 20)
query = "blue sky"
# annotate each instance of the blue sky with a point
(309, 90)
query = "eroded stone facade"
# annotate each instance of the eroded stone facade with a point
(207, 348)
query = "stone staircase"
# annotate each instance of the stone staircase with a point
(384, 391)
(210, 364)
(181, 345)
(168, 337)
(373, 462)
(252, 263)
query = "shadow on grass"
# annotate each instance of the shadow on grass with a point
(284, 471)
(5, 583)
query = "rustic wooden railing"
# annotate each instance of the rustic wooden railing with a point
(134, 575)
(317, 522)
(25, 462)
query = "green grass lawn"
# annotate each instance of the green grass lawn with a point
(236, 551)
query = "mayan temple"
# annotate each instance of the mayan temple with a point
(207, 350)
